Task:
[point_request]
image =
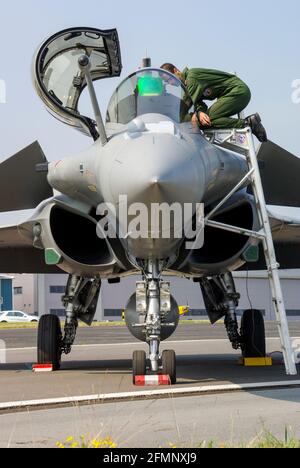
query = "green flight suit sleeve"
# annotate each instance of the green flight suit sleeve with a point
(196, 91)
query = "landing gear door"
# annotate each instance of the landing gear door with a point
(58, 79)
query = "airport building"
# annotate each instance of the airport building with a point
(41, 294)
(6, 295)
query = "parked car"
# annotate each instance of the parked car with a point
(16, 316)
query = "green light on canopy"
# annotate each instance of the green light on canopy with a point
(150, 86)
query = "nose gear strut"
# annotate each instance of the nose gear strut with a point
(155, 313)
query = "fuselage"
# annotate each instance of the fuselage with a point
(164, 163)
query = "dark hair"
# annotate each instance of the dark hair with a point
(169, 67)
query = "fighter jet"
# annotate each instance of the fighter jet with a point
(146, 154)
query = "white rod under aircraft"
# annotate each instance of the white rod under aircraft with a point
(148, 153)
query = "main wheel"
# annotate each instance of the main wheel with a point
(169, 365)
(49, 341)
(253, 334)
(138, 364)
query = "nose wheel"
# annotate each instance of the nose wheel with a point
(167, 368)
(139, 366)
(169, 365)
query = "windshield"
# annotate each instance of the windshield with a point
(149, 91)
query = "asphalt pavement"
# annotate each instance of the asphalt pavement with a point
(23, 338)
(100, 364)
(186, 422)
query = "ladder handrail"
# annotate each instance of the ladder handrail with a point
(246, 143)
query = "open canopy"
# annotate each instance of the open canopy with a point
(58, 78)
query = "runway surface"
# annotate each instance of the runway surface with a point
(100, 363)
(186, 422)
(22, 338)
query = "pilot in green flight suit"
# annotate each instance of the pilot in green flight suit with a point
(232, 97)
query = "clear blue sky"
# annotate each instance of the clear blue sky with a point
(258, 39)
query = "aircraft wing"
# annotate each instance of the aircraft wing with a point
(285, 224)
(21, 186)
(17, 255)
(280, 171)
(280, 175)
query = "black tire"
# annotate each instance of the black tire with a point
(253, 334)
(34, 321)
(169, 365)
(139, 366)
(49, 341)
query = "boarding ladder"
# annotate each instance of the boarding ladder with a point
(242, 141)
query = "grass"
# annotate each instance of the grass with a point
(270, 441)
(33, 326)
(17, 326)
(265, 440)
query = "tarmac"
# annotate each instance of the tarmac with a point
(215, 398)
(22, 338)
(186, 415)
(100, 363)
(235, 418)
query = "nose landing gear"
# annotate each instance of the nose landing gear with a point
(155, 326)
(167, 367)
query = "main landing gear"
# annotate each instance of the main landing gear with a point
(221, 300)
(80, 302)
(49, 341)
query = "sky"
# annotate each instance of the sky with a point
(260, 40)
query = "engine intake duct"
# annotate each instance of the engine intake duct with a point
(77, 238)
(220, 245)
(223, 250)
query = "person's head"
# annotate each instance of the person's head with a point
(172, 69)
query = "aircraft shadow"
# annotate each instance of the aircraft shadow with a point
(192, 370)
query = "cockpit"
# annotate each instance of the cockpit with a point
(149, 91)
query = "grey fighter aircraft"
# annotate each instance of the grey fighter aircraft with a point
(149, 151)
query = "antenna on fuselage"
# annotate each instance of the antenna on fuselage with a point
(146, 62)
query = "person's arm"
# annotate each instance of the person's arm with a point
(196, 91)
(201, 107)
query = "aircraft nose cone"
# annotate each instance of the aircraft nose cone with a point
(151, 170)
(156, 169)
